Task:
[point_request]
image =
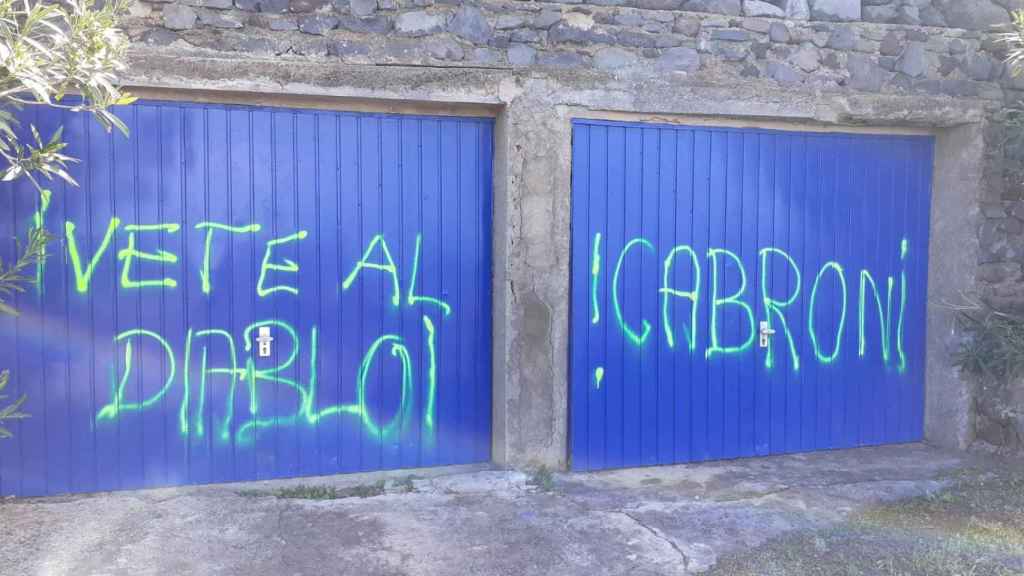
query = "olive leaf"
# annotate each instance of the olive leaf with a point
(11, 411)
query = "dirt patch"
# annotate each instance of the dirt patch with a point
(975, 527)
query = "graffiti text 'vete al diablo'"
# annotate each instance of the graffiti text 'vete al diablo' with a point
(188, 365)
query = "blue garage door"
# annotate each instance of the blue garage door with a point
(244, 293)
(744, 292)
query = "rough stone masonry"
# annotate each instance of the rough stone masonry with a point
(929, 64)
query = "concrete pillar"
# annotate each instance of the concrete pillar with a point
(531, 285)
(953, 258)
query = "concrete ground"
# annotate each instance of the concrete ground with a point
(472, 521)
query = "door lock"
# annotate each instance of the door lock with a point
(263, 340)
(765, 334)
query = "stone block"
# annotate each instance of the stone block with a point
(509, 21)
(218, 19)
(564, 32)
(217, 4)
(972, 15)
(835, 10)
(807, 58)
(779, 33)
(317, 24)
(947, 65)
(299, 6)
(913, 62)
(635, 38)
(379, 24)
(363, 8)
(521, 55)
(470, 23)
(842, 38)
(728, 7)
(891, 45)
(686, 26)
(865, 74)
(419, 23)
(347, 48)
(659, 4)
(761, 8)
(614, 58)
(981, 67)
(884, 14)
(757, 25)
(526, 35)
(485, 56)
(730, 35)
(783, 73)
(798, 10)
(931, 16)
(679, 59)
(546, 19)
(158, 37)
(563, 59)
(179, 17)
(443, 48)
(730, 51)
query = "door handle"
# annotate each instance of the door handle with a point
(765, 334)
(263, 341)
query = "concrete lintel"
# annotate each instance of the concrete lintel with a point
(317, 102)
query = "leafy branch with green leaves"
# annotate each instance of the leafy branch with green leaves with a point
(1013, 39)
(13, 410)
(61, 54)
(14, 279)
(994, 348)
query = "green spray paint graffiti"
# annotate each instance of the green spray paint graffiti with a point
(781, 286)
(595, 275)
(83, 277)
(187, 374)
(83, 271)
(211, 227)
(771, 305)
(645, 329)
(192, 410)
(693, 296)
(388, 267)
(735, 299)
(827, 358)
(129, 254)
(289, 266)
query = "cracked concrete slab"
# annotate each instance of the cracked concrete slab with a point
(466, 520)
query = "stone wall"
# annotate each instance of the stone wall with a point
(516, 34)
(891, 63)
(999, 409)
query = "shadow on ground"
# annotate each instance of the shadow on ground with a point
(890, 511)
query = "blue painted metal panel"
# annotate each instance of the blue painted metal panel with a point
(684, 239)
(362, 242)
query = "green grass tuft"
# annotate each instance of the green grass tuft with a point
(318, 492)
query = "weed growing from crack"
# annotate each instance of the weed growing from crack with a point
(542, 478)
(318, 492)
(406, 484)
